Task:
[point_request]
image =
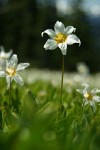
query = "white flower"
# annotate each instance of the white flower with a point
(60, 37)
(11, 69)
(3, 54)
(90, 96)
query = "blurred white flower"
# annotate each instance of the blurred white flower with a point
(82, 68)
(90, 96)
(11, 69)
(60, 37)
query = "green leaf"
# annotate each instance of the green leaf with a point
(10, 120)
(29, 106)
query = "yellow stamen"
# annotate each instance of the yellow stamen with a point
(60, 38)
(11, 71)
(88, 96)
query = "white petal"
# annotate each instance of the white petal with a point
(69, 30)
(63, 48)
(95, 91)
(2, 48)
(80, 91)
(50, 44)
(71, 39)
(2, 74)
(86, 102)
(86, 85)
(92, 103)
(50, 32)
(8, 79)
(59, 27)
(8, 54)
(86, 88)
(3, 54)
(96, 98)
(22, 66)
(18, 79)
(12, 63)
(2, 64)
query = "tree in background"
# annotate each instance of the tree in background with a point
(19, 22)
(22, 22)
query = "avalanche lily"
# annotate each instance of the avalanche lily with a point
(60, 37)
(11, 70)
(90, 96)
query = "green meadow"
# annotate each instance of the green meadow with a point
(33, 121)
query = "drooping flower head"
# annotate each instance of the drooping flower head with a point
(89, 96)
(11, 70)
(60, 37)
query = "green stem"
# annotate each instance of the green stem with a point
(10, 94)
(62, 80)
(58, 117)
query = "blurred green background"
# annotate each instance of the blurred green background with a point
(22, 21)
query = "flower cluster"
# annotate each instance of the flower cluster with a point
(10, 67)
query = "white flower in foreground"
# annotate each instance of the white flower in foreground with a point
(3, 54)
(90, 96)
(60, 37)
(11, 69)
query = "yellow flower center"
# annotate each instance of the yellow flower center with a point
(88, 96)
(60, 38)
(11, 71)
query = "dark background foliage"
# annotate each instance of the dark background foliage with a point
(21, 24)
